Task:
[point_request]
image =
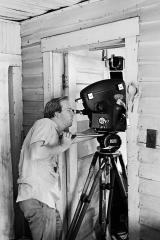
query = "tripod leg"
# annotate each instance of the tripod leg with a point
(105, 203)
(119, 178)
(112, 180)
(124, 174)
(122, 190)
(103, 200)
(82, 197)
(86, 202)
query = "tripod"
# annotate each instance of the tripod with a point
(108, 167)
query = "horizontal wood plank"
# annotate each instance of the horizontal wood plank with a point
(149, 202)
(149, 70)
(32, 67)
(150, 218)
(91, 35)
(148, 79)
(149, 51)
(150, 89)
(149, 121)
(32, 107)
(149, 155)
(33, 94)
(148, 105)
(149, 31)
(148, 233)
(150, 13)
(32, 81)
(149, 171)
(149, 187)
(31, 52)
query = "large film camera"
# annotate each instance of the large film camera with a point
(105, 104)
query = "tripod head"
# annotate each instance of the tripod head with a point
(109, 142)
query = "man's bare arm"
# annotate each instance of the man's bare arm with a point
(39, 149)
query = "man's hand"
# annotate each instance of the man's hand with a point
(66, 140)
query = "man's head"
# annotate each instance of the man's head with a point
(60, 111)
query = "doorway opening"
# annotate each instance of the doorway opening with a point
(85, 67)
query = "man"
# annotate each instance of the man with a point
(38, 179)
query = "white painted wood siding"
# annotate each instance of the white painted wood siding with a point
(149, 116)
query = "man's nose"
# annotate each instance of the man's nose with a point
(73, 111)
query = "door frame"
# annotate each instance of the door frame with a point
(96, 37)
(11, 125)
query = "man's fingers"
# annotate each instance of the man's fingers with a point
(67, 134)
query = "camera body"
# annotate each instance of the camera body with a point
(104, 102)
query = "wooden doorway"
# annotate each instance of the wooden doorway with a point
(97, 37)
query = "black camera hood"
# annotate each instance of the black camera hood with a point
(103, 91)
(104, 103)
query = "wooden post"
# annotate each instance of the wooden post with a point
(6, 184)
(131, 66)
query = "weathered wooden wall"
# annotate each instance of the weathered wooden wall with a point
(88, 15)
(32, 85)
(149, 115)
(10, 51)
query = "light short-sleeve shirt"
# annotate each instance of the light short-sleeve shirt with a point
(39, 178)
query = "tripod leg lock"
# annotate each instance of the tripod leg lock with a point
(84, 198)
(105, 186)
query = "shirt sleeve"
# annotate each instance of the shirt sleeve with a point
(43, 131)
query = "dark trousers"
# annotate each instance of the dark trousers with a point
(44, 222)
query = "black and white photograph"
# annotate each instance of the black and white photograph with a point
(79, 120)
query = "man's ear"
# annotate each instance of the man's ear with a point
(56, 114)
